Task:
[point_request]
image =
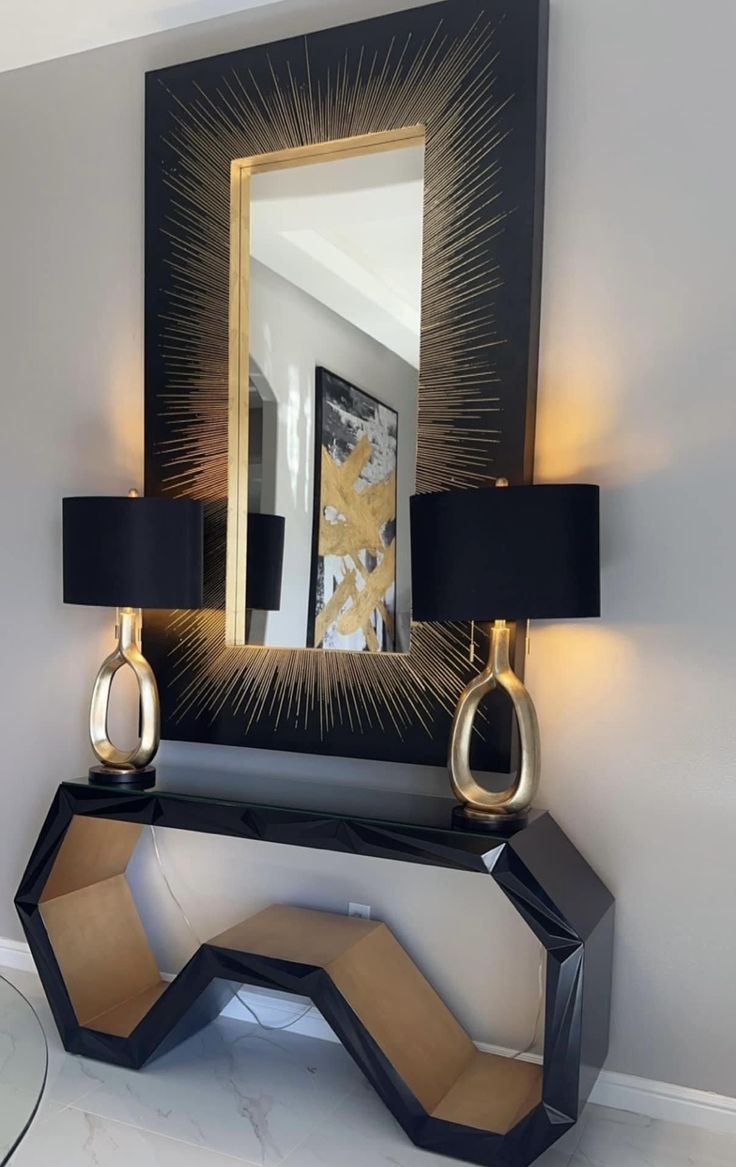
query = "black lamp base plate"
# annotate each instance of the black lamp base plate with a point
(465, 819)
(132, 779)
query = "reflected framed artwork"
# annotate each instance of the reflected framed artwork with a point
(353, 582)
(343, 260)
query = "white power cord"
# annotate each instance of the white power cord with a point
(192, 929)
(540, 1007)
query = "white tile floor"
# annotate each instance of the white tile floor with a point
(234, 1094)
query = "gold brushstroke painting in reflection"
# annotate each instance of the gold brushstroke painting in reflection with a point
(445, 83)
(356, 545)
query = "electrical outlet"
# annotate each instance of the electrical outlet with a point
(361, 910)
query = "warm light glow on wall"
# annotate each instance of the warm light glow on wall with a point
(578, 666)
(574, 426)
(581, 436)
(125, 411)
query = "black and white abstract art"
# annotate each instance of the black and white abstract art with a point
(353, 583)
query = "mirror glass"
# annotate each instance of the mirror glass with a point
(334, 242)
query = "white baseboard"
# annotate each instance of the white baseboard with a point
(662, 1100)
(659, 1100)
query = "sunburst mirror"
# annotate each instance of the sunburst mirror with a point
(343, 268)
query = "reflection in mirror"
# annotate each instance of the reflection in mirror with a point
(330, 306)
(263, 424)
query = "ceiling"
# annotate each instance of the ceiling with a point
(37, 30)
(349, 233)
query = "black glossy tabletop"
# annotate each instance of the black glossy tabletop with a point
(371, 821)
(340, 801)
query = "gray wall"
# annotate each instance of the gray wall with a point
(636, 392)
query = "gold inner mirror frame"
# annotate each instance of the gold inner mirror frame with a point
(242, 172)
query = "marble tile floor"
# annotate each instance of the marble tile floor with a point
(299, 1103)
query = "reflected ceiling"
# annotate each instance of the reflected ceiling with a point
(309, 225)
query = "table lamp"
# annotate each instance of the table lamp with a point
(495, 555)
(130, 553)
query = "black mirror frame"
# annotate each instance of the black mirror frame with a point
(473, 72)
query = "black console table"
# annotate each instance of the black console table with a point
(110, 1003)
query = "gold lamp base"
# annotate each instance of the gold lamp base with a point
(125, 767)
(483, 808)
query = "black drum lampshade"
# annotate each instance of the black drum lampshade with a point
(265, 564)
(133, 552)
(506, 553)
